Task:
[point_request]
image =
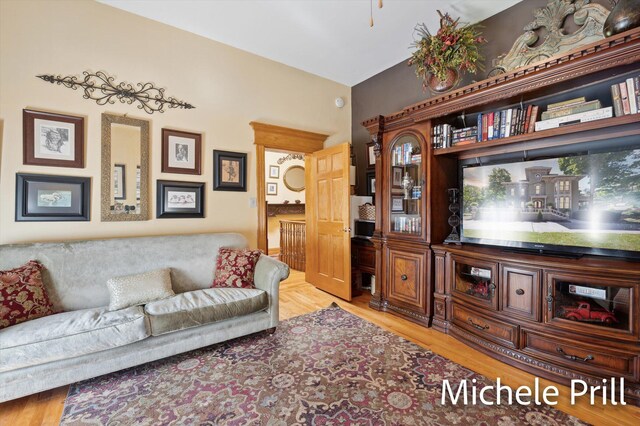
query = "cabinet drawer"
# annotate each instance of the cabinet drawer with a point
(589, 358)
(407, 284)
(520, 292)
(485, 327)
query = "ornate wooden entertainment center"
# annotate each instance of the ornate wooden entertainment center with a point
(518, 307)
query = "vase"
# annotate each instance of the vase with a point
(441, 86)
(624, 16)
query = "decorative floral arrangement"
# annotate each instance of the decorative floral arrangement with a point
(452, 47)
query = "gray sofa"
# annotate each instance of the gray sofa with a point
(86, 340)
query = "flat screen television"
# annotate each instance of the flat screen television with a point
(585, 203)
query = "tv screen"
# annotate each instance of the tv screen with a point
(582, 203)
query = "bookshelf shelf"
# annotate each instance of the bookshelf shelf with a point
(608, 128)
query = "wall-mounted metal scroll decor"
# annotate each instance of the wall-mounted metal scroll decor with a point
(590, 18)
(104, 90)
(290, 157)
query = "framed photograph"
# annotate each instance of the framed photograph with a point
(119, 183)
(179, 199)
(396, 177)
(181, 152)
(371, 183)
(52, 139)
(229, 171)
(397, 204)
(47, 198)
(274, 172)
(371, 156)
(272, 188)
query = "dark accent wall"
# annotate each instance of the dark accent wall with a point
(397, 87)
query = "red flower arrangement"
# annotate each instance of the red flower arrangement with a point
(452, 47)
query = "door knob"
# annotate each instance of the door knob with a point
(346, 229)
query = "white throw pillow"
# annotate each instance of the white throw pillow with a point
(133, 290)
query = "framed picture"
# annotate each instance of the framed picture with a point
(179, 199)
(47, 198)
(119, 183)
(272, 188)
(274, 172)
(229, 171)
(396, 177)
(181, 152)
(371, 156)
(52, 139)
(371, 183)
(397, 204)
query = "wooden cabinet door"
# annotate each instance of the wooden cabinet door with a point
(474, 281)
(328, 259)
(520, 291)
(406, 283)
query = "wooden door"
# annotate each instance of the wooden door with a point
(327, 216)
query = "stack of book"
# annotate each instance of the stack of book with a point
(626, 96)
(441, 136)
(572, 111)
(464, 136)
(506, 123)
(404, 154)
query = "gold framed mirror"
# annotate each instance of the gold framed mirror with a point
(293, 178)
(125, 168)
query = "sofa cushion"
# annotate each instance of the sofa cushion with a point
(235, 268)
(138, 289)
(22, 295)
(70, 334)
(199, 307)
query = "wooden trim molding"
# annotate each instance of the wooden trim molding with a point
(268, 136)
(280, 209)
(611, 52)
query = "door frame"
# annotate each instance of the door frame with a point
(268, 136)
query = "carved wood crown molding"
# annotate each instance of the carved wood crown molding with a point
(617, 50)
(278, 137)
(280, 209)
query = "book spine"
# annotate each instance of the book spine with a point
(582, 117)
(566, 103)
(503, 123)
(616, 100)
(631, 91)
(625, 99)
(507, 127)
(479, 127)
(527, 119)
(485, 127)
(496, 125)
(587, 106)
(490, 125)
(516, 130)
(534, 118)
(514, 118)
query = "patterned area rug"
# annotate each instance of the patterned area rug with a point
(325, 368)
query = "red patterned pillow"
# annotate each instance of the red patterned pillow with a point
(22, 295)
(235, 268)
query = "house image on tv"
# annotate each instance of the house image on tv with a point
(556, 196)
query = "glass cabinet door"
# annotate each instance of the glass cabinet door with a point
(406, 185)
(587, 302)
(475, 281)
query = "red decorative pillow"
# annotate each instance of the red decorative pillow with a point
(235, 268)
(22, 295)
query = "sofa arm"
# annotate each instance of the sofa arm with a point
(269, 272)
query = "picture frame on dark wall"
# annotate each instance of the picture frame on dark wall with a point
(119, 182)
(49, 198)
(371, 183)
(179, 199)
(50, 139)
(181, 152)
(229, 171)
(371, 156)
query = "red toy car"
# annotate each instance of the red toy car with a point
(586, 313)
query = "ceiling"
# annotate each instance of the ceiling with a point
(329, 38)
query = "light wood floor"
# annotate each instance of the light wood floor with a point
(297, 298)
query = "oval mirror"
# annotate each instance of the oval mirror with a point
(294, 178)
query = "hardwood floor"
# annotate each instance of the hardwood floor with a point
(297, 298)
